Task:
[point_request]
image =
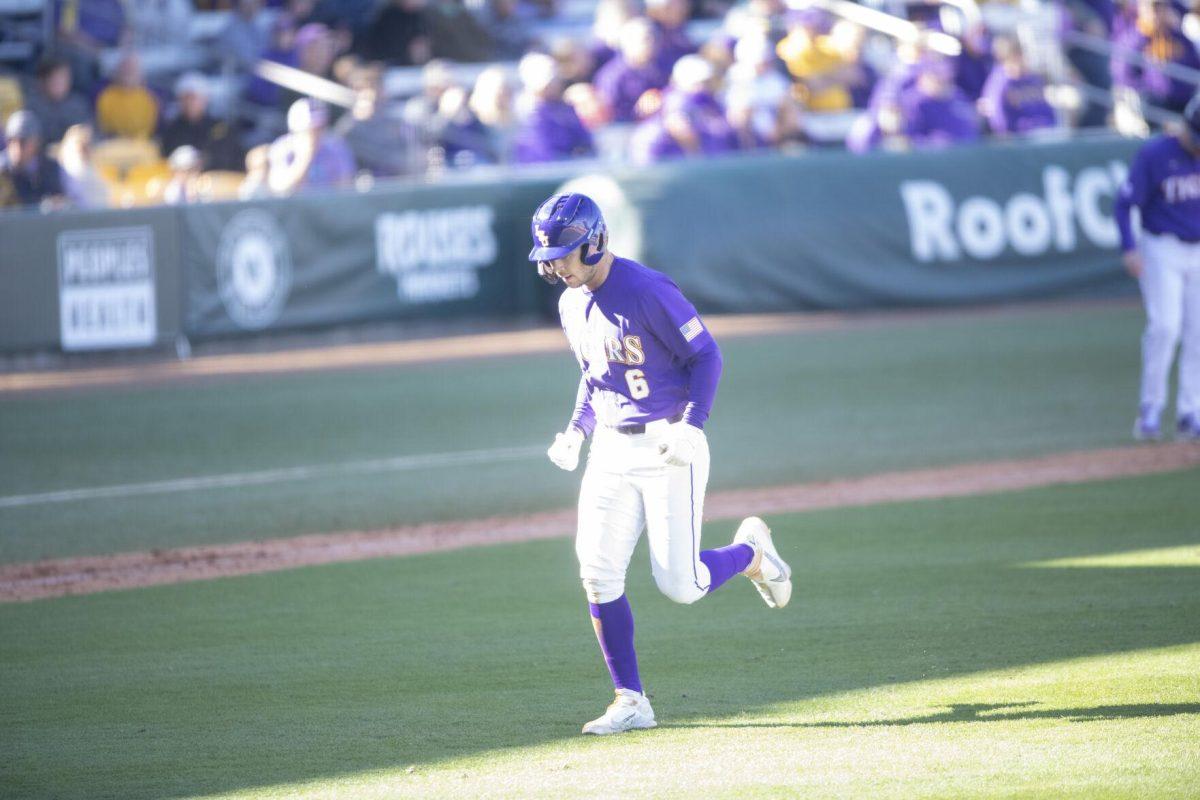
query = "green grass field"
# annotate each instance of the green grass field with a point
(932, 649)
(1036, 644)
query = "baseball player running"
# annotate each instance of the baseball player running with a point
(650, 373)
(1164, 183)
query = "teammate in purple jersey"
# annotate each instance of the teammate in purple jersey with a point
(650, 374)
(1164, 183)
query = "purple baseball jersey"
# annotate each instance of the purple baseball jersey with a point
(1164, 183)
(644, 351)
(1017, 105)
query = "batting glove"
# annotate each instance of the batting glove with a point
(565, 450)
(681, 450)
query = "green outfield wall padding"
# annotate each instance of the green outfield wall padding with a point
(990, 223)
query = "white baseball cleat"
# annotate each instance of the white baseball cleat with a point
(769, 573)
(630, 711)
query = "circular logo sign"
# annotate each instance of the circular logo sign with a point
(254, 269)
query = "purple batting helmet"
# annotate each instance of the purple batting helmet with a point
(563, 223)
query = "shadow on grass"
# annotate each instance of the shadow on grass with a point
(982, 712)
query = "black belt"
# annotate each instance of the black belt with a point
(641, 428)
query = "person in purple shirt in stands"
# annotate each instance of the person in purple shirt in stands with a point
(1157, 38)
(935, 112)
(974, 64)
(670, 18)
(650, 370)
(549, 129)
(1014, 99)
(1164, 183)
(691, 121)
(630, 73)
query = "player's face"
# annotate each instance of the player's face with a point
(571, 269)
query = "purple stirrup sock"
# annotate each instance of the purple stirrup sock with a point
(725, 562)
(613, 622)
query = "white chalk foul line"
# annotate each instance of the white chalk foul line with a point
(240, 479)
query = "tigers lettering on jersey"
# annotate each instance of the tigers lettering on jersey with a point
(627, 350)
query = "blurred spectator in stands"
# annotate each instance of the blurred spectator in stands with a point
(492, 102)
(974, 64)
(52, 101)
(255, 185)
(1014, 98)
(691, 121)
(193, 125)
(382, 142)
(309, 155)
(455, 34)
(548, 129)
(1159, 40)
(315, 50)
(910, 55)
(848, 38)
(739, 111)
(630, 73)
(935, 111)
(281, 49)
(159, 22)
(28, 176)
(588, 104)
(398, 34)
(349, 16)
(574, 62)
(462, 139)
(419, 111)
(611, 16)
(822, 73)
(508, 22)
(670, 18)
(85, 29)
(82, 184)
(126, 107)
(754, 80)
(182, 187)
(245, 37)
(11, 95)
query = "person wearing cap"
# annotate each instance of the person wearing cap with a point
(56, 106)
(186, 163)
(309, 155)
(126, 107)
(193, 125)
(1158, 38)
(935, 112)
(548, 128)
(1164, 184)
(631, 72)
(28, 176)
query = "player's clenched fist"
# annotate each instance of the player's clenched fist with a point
(681, 449)
(565, 450)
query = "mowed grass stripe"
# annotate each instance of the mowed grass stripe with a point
(239, 480)
(919, 658)
(85, 575)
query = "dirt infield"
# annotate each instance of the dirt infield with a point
(86, 575)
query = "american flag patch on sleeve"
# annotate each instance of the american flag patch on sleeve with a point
(691, 329)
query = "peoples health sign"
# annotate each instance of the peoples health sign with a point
(106, 288)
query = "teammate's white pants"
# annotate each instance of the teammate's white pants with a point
(625, 488)
(1170, 285)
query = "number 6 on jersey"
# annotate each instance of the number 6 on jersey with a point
(638, 388)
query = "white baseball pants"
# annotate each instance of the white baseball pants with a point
(1170, 284)
(626, 487)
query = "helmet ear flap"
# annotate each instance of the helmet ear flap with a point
(600, 241)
